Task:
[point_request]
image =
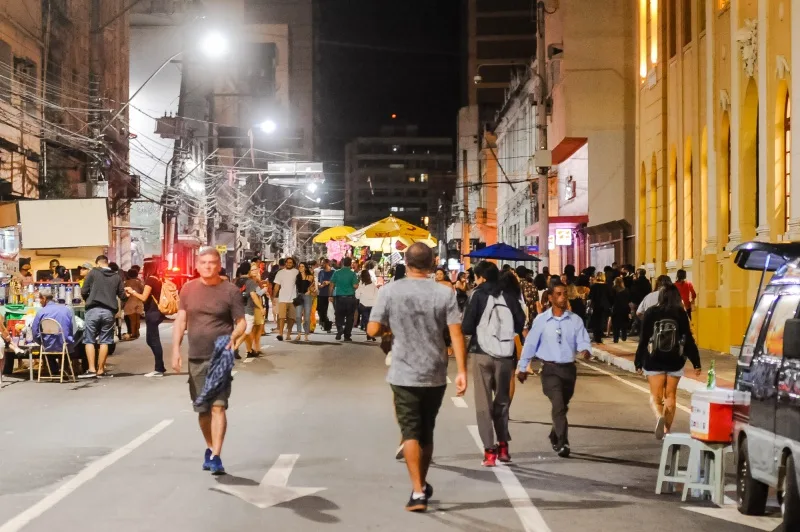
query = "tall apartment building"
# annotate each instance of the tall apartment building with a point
(20, 99)
(391, 175)
(208, 114)
(500, 39)
(63, 77)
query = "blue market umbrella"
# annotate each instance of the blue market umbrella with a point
(502, 251)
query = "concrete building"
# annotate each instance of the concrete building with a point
(390, 175)
(500, 39)
(210, 148)
(714, 147)
(20, 98)
(590, 134)
(63, 77)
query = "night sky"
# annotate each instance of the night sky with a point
(378, 57)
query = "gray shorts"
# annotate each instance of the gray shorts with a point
(677, 374)
(198, 369)
(99, 326)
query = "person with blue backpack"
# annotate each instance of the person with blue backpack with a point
(493, 317)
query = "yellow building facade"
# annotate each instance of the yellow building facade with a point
(714, 145)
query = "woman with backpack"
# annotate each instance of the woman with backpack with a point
(493, 318)
(665, 343)
(151, 296)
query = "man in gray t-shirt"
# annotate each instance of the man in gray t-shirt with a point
(417, 310)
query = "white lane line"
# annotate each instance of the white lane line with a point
(449, 381)
(532, 520)
(459, 402)
(234, 372)
(248, 360)
(86, 474)
(631, 384)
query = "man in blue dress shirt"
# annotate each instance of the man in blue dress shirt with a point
(556, 337)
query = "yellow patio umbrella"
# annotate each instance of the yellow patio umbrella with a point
(384, 234)
(391, 227)
(334, 233)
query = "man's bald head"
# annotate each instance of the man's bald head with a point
(419, 257)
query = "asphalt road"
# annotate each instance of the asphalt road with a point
(124, 454)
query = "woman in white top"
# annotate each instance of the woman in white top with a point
(366, 293)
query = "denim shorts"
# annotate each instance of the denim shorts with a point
(99, 326)
(677, 374)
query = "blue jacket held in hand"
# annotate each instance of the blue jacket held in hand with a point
(219, 371)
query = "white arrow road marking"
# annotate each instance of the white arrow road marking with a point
(459, 402)
(273, 489)
(731, 514)
(532, 520)
(86, 474)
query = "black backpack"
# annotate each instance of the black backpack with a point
(666, 339)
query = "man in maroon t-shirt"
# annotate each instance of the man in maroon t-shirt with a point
(209, 308)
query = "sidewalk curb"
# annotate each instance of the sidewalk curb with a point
(686, 384)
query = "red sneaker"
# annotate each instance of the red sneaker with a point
(489, 458)
(502, 452)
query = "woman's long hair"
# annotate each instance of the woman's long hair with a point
(670, 298)
(509, 282)
(619, 284)
(399, 272)
(366, 278)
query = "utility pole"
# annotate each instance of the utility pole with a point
(543, 195)
(465, 233)
(172, 203)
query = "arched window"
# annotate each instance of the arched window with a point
(787, 161)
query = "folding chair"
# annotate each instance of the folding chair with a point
(50, 327)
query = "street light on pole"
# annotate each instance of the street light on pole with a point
(213, 46)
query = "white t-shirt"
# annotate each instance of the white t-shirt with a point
(287, 279)
(650, 300)
(367, 294)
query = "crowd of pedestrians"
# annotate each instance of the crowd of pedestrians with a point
(512, 323)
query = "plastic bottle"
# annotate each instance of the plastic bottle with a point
(711, 383)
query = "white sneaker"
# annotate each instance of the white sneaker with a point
(154, 374)
(660, 426)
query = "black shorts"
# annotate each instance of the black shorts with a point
(416, 408)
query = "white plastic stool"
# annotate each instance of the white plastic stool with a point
(707, 470)
(670, 458)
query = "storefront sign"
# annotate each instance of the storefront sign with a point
(222, 249)
(563, 237)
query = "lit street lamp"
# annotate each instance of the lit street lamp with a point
(214, 45)
(268, 126)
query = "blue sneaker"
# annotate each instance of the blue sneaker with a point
(207, 460)
(216, 467)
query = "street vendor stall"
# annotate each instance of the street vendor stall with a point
(73, 231)
(391, 237)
